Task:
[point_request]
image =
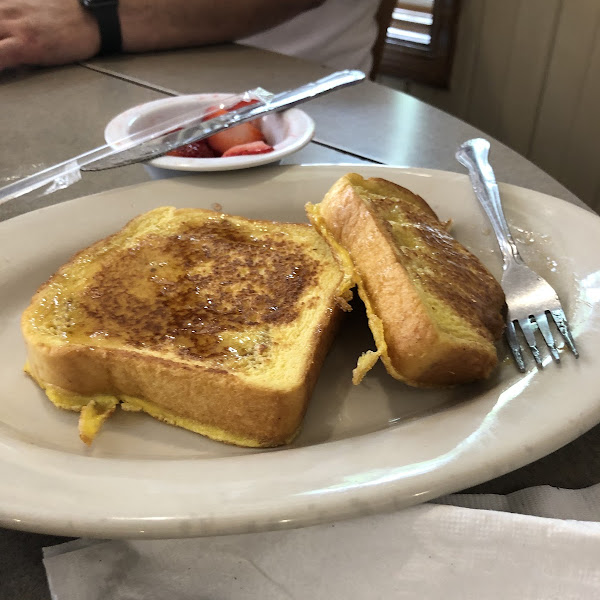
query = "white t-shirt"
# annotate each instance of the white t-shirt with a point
(338, 34)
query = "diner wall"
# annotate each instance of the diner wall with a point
(528, 73)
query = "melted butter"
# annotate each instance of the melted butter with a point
(537, 250)
(523, 236)
(551, 264)
(212, 290)
(439, 265)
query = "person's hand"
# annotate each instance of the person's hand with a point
(45, 32)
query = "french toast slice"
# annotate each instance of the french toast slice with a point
(215, 323)
(434, 309)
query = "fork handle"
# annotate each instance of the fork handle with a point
(473, 154)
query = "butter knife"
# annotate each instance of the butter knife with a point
(159, 146)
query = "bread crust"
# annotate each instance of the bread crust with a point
(214, 399)
(409, 338)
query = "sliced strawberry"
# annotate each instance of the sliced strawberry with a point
(250, 148)
(199, 149)
(213, 111)
(240, 134)
(243, 103)
(217, 111)
(216, 145)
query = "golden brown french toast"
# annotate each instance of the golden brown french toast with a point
(434, 309)
(214, 323)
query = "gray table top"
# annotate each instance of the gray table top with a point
(61, 112)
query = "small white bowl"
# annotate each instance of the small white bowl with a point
(287, 132)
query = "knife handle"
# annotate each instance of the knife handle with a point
(311, 90)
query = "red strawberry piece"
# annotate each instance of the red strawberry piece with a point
(199, 149)
(216, 111)
(213, 111)
(247, 149)
(235, 136)
(243, 103)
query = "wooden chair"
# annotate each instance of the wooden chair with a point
(384, 17)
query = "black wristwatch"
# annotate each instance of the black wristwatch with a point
(107, 15)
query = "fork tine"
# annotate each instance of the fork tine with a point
(528, 328)
(544, 327)
(515, 347)
(561, 323)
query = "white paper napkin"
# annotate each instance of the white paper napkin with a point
(427, 552)
(542, 501)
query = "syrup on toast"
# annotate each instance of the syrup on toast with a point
(214, 323)
(435, 311)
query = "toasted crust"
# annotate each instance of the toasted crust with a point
(265, 303)
(434, 309)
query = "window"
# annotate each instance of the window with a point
(411, 23)
(419, 41)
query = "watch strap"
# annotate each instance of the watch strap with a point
(106, 13)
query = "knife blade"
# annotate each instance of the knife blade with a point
(159, 146)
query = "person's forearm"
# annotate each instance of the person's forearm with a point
(160, 24)
(53, 32)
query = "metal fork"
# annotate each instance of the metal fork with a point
(529, 298)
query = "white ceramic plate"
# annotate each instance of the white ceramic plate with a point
(367, 448)
(287, 132)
